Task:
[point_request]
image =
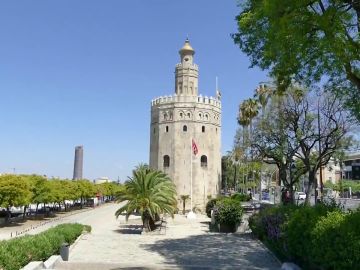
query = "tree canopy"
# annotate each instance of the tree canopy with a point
(307, 41)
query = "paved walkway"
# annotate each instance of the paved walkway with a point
(186, 243)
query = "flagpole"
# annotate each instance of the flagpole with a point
(191, 184)
(191, 214)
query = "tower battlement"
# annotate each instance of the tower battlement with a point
(194, 99)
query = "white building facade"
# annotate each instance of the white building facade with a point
(178, 119)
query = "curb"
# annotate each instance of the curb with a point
(267, 249)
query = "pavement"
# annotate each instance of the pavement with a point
(184, 244)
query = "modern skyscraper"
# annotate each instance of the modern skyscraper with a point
(185, 134)
(78, 163)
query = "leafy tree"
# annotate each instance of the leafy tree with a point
(309, 41)
(85, 189)
(288, 135)
(40, 189)
(14, 191)
(148, 192)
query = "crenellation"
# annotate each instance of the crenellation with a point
(179, 99)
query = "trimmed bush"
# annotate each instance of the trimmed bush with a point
(228, 211)
(241, 197)
(18, 252)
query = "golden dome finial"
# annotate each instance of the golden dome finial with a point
(187, 47)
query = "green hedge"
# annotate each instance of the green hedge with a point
(18, 252)
(241, 197)
(228, 211)
(320, 237)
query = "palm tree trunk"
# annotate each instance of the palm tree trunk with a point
(148, 222)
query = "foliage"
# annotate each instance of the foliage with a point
(210, 206)
(307, 235)
(14, 191)
(150, 193)
(228, 211)
(340, 231)
(109, 188)
(307, 41)
(16, 253)
(287, 133)
(241, 197)
(85, 189)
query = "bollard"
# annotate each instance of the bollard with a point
(64, 251)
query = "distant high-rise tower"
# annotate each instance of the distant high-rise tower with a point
(78, 163)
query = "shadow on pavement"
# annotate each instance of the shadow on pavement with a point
(129, 229)
(215, 250)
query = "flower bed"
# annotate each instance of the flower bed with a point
(18, 252)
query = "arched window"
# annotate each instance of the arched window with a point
(189, 115)
(203, 128)
(184, 128)
(167, 128)
(166, 161)
(203, 161)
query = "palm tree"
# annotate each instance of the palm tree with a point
(150, 193)
(184, 198)
(263, 93)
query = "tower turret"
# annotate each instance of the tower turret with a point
(186, 72)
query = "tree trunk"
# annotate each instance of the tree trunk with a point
(184, 206)
(24, 213)
(37, 207)
(65, 206)
(235, 182)
(8, 215)
(148, 222)
(312, 179)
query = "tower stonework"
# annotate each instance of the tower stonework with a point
(178, 119)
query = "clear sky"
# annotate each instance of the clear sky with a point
(84, 72)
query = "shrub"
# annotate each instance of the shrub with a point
(210, 206)
(228, 211)
(298, 231)
(336, 241)
(268, 226)
(241, 197)
(318, 237)
(18, 252)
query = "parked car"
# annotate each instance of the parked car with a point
(300, 195)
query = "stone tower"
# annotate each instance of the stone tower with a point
(178, 119)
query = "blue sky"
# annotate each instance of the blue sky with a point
(84, 72)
